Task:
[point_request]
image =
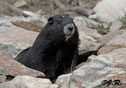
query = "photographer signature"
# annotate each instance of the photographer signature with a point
(111, 82)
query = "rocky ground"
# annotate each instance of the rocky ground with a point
(102, 49)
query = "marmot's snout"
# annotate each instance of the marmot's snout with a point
(69, 30)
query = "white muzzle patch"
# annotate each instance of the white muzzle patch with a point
(69, 30)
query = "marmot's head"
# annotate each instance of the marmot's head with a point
(61, 26)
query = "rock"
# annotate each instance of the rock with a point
(5, 21)
(81, 3)
(30, 14)
(20, 3)
(14, 39)
(104, 39)
(13, 68)
(115, 57)
(28, 82)
(87, 36)
(82, 21)
(88, 42)
(2, 78)
(33, 25)
(114, 41)
(110, 10)
(4, 24)
(116, 25)
(88, 76)
(67, 83)
(3, 75)
(85, 22)
(97, 69)
(119, 76)
(121, 83)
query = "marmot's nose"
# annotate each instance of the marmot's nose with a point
(70, 28)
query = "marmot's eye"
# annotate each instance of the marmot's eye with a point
(59, 22)
(50, 21)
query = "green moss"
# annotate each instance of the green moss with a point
(35, 1)
(123, 21)
(48, 10)
(10, 9)
(55, 7)
(98, 26)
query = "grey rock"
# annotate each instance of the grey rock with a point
(110, 10)
(114, 40)
(87, 22)
(4, 24)
(30, 14)
(88, 37)
(7, 21)
(10, 67)
(31, 21)
(20, 3)
(83, 21)
(106, 38)
(15, 39)
(116, 25)
(28, 82)
(88, 42)
(81, 3)
(97, 69)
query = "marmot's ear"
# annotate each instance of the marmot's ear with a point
(50, 20)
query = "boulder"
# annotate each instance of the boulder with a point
(112, 41)
(32, 25)
(2, 78)
(88, 42)
(88, 37)
(10, 67)
(86, 22)
(15, 39)
(20, 3)
(31, 21)
(28, 82)
(98, 68)
(5, 21)
(110, 10)
(116, 25)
